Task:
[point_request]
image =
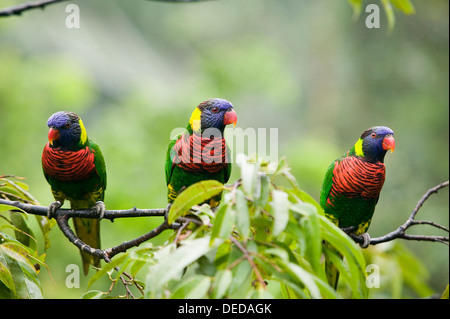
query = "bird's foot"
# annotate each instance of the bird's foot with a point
(366, 240)
(100, 208)
(52, 208)
(348, 230)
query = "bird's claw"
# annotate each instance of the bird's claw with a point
(366, 240)
(348, 230)
(100, 208)
(52, 208)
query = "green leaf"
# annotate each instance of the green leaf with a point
(352, 255)
(17, 274)
(280, 211)
(5, 208)
(241, 281)
(170, 266)
(404, 6)
(194, 287)
(105, 269)
(45, 225)
(93, 294)
(223, 224)
(222, 283)
(313, 237)
(249, 175)
(136, 266)
(445, 293)
(193, 195)
(33, 289)
(356, 6)
(23, 232)
(306, 278)
(262, 198)
(261, 293)
(389, 13)
(304, 197)
(6, 277)
(242, 214)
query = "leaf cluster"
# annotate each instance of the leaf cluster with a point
(20, 261)
(264, 241)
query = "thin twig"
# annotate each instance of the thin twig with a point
(18, 9)
(400, 232)
(250, 261)
(107, 254)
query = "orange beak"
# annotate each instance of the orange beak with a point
(389, 143)
(230, 117)
(53, 134)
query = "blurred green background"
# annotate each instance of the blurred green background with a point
(135, 70)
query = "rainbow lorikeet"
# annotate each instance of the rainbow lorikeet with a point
(201, 153)
(352, 186)
(75, 169)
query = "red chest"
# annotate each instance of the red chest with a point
(197, 154)
(354, 177)
(68, 165)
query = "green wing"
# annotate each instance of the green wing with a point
(169, 162)
(326, 186)
(229, 166)
(100, 166)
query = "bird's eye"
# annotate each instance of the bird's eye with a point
(373, 134)
(67, 125)
(214, 109)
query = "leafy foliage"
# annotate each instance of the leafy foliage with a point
(19, 260)
(265, 241)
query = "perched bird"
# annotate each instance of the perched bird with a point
(201, 153)
(75, 169)
(352, 186)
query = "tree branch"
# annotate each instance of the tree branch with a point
(247, 256)
(62, 217)
(400, 232)
(18, 9)
(85, 213)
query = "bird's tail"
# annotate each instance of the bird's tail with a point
(88, 230)
(331, 270)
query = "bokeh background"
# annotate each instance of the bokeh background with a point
(135, 70)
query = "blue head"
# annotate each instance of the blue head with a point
(66, 130)
(213, 113)
(374, 143)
